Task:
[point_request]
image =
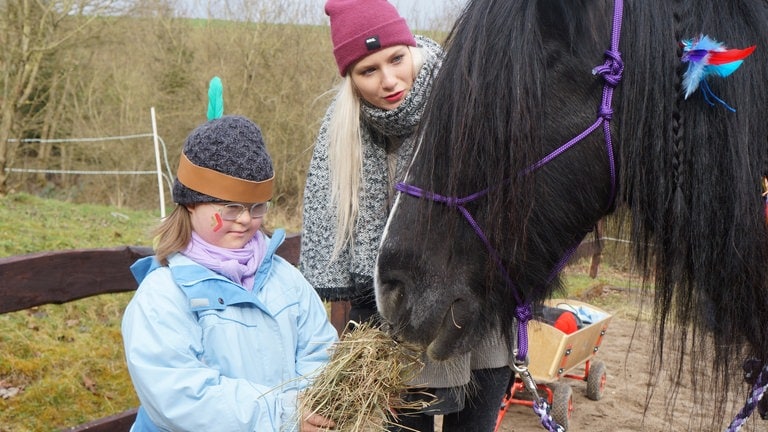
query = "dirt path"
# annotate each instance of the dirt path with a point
(623, 406)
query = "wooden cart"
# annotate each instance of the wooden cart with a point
(554, 354)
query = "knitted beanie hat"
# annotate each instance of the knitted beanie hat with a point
(362, 27)
(224, 160)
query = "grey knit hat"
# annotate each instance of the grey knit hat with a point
(224, 160)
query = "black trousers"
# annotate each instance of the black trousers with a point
(481, 407)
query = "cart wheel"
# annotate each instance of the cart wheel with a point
(596, 380)
(562, 404)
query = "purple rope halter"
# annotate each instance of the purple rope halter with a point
(758, 391)
(611, 72)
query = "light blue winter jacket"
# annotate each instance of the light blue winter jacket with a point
(204, 354)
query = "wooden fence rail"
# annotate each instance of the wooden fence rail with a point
(62, 276)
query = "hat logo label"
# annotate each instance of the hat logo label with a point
(372, 43)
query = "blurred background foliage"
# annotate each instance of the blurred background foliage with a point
(95, 68)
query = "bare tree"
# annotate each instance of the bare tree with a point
(80, 74)
(33, 34)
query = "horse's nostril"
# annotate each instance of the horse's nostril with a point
(392, 288)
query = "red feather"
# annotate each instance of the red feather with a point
(731, 55)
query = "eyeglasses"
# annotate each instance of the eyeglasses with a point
(232, 211)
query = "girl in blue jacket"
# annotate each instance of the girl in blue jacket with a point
(223, 334)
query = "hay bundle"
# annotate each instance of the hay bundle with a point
(364, 381)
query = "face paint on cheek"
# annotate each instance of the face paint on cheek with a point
(216, 222)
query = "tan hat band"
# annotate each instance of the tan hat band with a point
(223, 186)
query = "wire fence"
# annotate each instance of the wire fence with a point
(161, 169)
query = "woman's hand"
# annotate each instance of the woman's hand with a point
(317, 423)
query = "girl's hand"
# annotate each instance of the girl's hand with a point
(317, 423)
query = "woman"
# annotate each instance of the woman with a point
(222, 334)
(364, 146)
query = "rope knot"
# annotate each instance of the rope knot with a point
(524, 313)
(612, 70)
(605, 113)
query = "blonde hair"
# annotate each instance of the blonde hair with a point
(173, 234)
(345, 155)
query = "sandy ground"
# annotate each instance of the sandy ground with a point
(625, 351)
(623, 406)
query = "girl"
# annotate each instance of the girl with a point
(222, 334)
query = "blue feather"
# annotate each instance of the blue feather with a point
(726, 69)
(708, 57)
(215, 99)
(705, 42)
(692, 77)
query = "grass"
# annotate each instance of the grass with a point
(68, 360)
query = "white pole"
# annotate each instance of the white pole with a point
(157, 163)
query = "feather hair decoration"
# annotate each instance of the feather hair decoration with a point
(707, 57)
(765, 196)
(215, 99)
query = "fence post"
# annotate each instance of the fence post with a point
(157, 163)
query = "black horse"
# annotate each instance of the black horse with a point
(494, 202)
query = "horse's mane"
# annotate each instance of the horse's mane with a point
(691, 176)
(491, 107)
(690, 173)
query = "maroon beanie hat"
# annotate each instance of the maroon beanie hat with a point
(362, 27)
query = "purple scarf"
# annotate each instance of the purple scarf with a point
(237, 265)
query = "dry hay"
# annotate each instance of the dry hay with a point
(365, 381)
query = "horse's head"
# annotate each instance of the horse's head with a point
(483, 228)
